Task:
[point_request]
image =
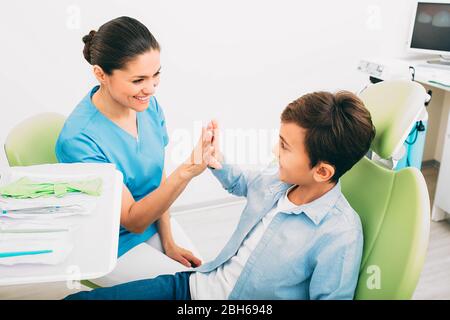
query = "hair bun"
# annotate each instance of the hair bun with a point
(87, 39)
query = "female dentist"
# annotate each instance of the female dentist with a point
(121, 122)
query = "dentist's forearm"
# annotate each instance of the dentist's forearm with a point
(165, 230)
(150, 208)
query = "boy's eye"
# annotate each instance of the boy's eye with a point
(282, 145)
(157, 74)
(137, 81)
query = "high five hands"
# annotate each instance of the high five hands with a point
(206, 153)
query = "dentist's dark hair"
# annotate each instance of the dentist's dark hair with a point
(117, 42)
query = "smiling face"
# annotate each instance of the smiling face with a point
(132, 86)
(294, 161)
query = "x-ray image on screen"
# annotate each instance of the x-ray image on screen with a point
(432, 27)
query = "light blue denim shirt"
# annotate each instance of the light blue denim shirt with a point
(312, 254)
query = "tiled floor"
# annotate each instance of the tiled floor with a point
(434, 282)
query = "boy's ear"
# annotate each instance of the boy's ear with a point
(323, 172)
(99, 74)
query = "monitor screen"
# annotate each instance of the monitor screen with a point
(431, 30)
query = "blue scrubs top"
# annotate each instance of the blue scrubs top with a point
(89, 136)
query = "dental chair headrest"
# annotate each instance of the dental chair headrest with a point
(395, 106)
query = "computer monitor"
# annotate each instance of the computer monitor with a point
(430, 30)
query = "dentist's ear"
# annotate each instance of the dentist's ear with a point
(323, 172)
(99, 74)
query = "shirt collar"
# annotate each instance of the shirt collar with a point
(317, 209)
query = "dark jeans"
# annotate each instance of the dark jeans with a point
(164, 287)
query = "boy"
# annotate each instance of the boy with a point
(298, 237)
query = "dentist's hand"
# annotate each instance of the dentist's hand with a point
(182, 255)
(202, 155)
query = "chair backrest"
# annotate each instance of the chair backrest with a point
(33, 140)
(394, 209)
(393, 206)
(395, 106)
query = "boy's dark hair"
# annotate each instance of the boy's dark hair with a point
(339, 129)
(117, 42)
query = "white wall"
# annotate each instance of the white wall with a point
(241, 62)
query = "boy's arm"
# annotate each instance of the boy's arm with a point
(336, 272)
(233, 178)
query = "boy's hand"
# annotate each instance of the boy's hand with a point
(217, 157)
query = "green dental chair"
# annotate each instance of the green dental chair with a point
(394, 207)
(33, 140)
